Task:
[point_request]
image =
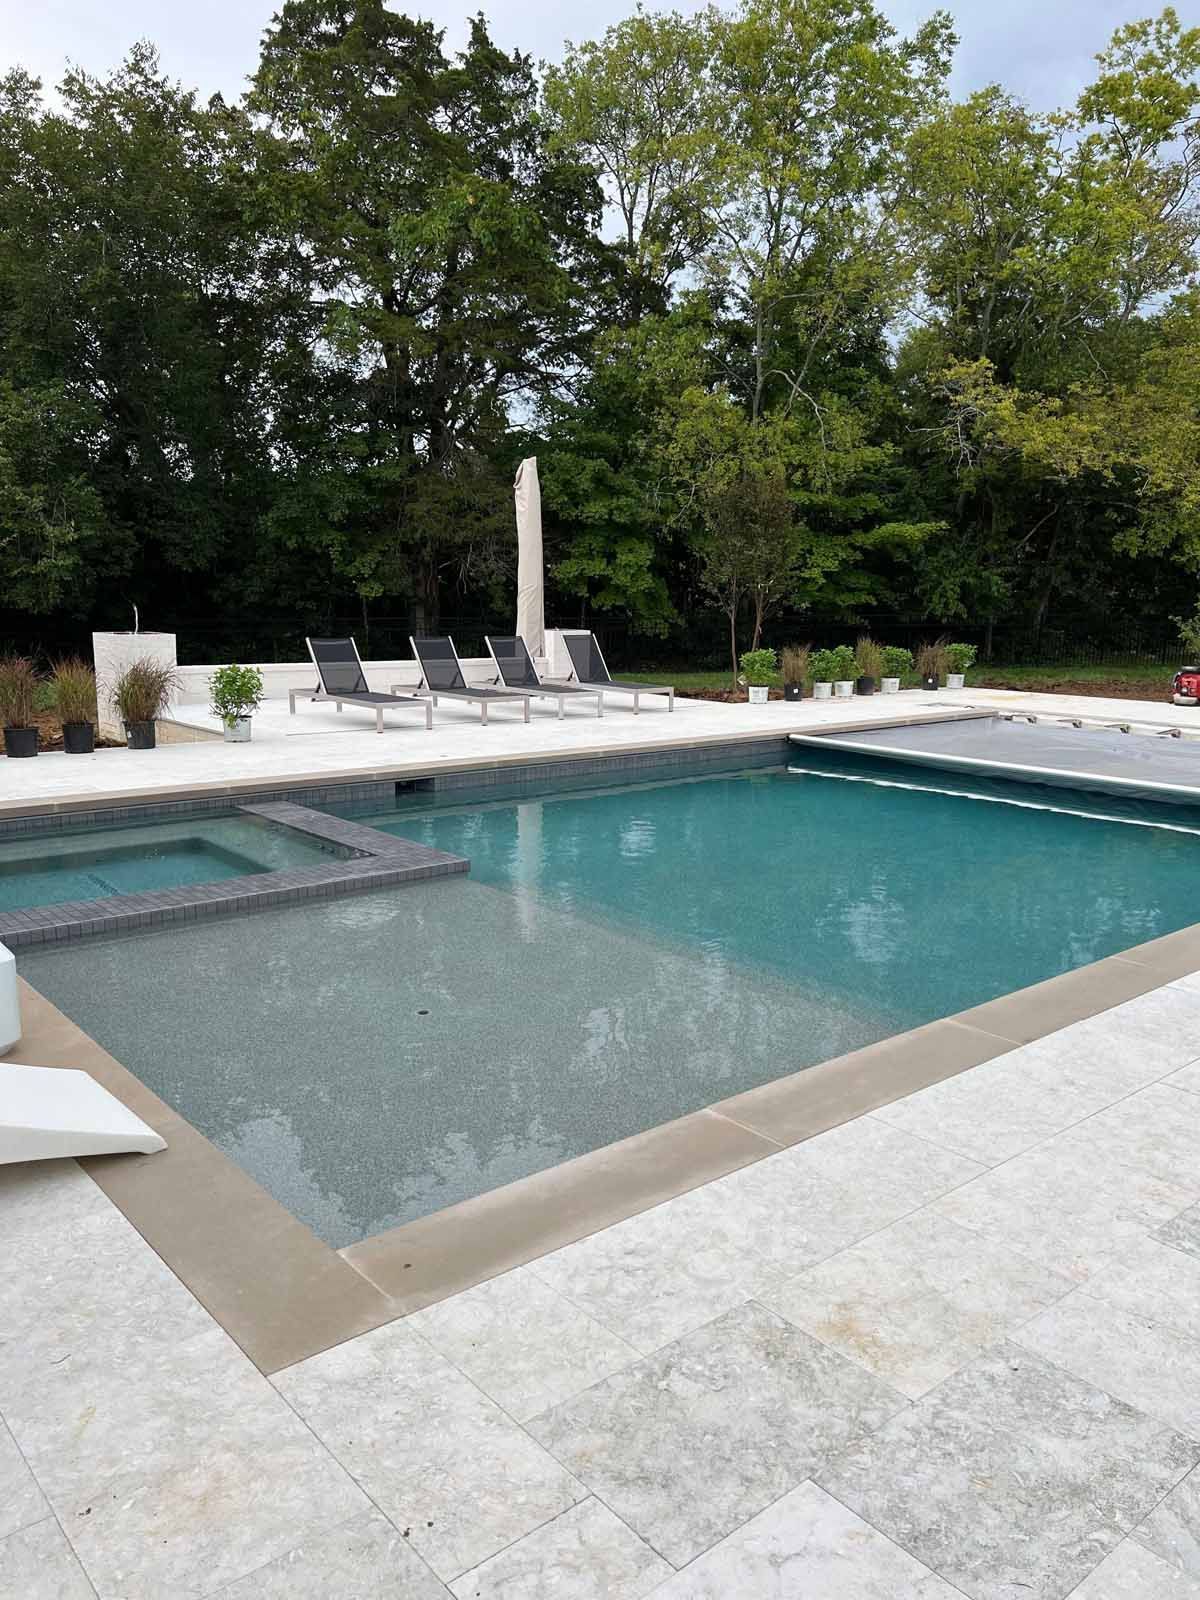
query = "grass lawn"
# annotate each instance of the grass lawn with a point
(1123, 680)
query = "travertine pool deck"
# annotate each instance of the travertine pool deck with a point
(949, 1348)
(946, 1346)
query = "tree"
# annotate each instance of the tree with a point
(638, 103)
(446, 245)
(55, 540)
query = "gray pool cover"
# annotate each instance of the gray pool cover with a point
(1145, 765)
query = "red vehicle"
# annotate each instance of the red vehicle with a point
(1185, 686)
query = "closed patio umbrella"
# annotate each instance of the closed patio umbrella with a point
(531, 599)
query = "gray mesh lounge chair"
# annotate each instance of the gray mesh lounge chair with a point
(442, 674)
(340, 678)
(589, 671)
(517, 671)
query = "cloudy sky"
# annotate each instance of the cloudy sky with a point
(1041, 49)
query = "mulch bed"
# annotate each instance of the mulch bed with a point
(1102, 689)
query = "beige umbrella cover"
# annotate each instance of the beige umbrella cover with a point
(531, 599)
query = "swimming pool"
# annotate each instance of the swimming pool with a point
(91, 863)
(618, 957)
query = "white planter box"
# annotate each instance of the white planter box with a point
(843, 688)
(889, 685)
(822, 691)
(955, 680)
(758, 693)
(237, 732)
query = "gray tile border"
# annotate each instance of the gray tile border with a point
(405, 862)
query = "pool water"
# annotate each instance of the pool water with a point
(94, 863)
(616, 958)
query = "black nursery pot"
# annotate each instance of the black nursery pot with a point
(929, 681)
(139, 735)
(865, 684)
(79, 738)
(793, 691)
(20, 742)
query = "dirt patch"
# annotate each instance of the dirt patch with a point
(1158, 688)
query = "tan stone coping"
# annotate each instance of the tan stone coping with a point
(326, 778)
(283, 1295)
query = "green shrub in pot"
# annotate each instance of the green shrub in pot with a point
(897, 661)
(237, 693)
(140, 695)
(758, 669)
(959, 660)
(845, 668)
(18, 696)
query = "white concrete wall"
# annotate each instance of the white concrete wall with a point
(113, 652)
(280, 676)
(10, 1006)
(558, 662)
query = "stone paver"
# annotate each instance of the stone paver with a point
(1012, 1476)
(1133, 1573)
(748, 1406)
(38, 1564)
(917, 1300)
(367, 1558)
(586, 1554)
(806, 1547)
(1172, 1530)
(522, 1343)
(21, 1501)
(1127, 1354)
(453, 1471)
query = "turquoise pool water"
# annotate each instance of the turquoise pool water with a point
(616, 958)
(94, 863)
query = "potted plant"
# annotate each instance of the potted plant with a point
(959, 660)
(758, 668)
(797, 660)
(237, 693)
(931, 663)
(897, 661)
(18, 691)
(820, 665)
(74, 687)
(140, 695)
(868, 657)
(845, 667)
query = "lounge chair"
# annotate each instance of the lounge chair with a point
(517, 671)
(442, 674)
(589, 671)
(340, 678)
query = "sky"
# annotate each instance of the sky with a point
(1041, 50)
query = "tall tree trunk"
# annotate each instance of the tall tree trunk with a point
(760, 606)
